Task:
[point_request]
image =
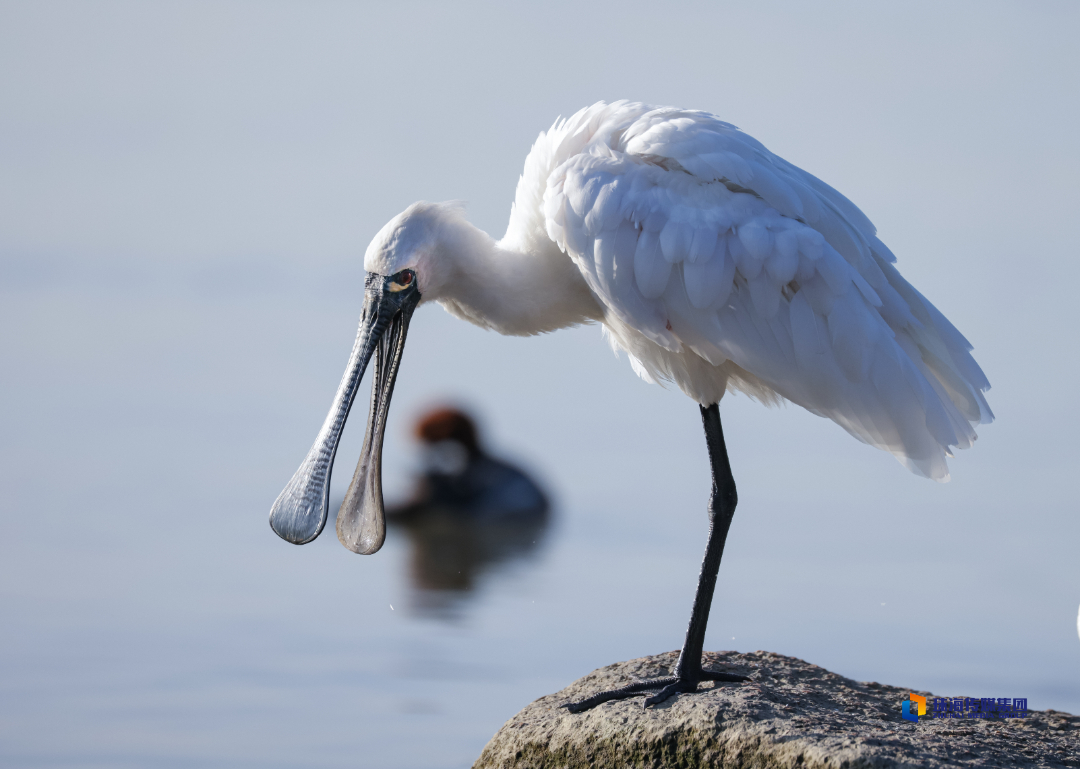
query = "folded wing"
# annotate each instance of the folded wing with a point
(695, 236)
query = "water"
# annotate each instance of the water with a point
(152, 618)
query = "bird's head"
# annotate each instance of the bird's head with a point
(420, 240)
(403, 265)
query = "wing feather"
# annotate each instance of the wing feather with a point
(650, 270)
(722, 265)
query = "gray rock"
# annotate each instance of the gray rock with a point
(790, 714)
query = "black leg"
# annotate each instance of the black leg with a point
(722, 501)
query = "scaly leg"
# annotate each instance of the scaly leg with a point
(688, 670)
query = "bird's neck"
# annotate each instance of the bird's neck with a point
(519, 285)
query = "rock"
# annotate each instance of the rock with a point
(789, 714)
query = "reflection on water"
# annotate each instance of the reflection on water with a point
(468, 513)
(449, 553)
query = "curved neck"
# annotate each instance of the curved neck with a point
(514, 286)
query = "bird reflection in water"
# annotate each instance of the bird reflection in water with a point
(468, 512)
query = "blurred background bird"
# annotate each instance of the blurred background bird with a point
(460, 477)
(468, 511)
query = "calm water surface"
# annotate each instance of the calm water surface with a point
(151, 618)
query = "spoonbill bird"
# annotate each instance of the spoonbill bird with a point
(713, 263)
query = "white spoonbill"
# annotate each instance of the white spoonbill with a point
(712, 263)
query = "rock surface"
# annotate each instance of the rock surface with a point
(789, 714)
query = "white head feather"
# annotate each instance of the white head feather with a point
(423, 238)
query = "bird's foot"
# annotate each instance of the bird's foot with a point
(669, 687)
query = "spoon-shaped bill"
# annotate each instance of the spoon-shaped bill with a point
(361, 521)
(300, 511)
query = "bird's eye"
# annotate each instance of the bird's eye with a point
(402, 280)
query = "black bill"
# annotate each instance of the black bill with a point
(300, 511)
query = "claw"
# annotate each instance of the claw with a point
(669, 691)
(711, 675)
(679, 687)
(616, 694)
(668, 687)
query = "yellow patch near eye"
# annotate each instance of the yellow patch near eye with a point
(405, 278)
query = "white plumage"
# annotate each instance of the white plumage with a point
(715, 265)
